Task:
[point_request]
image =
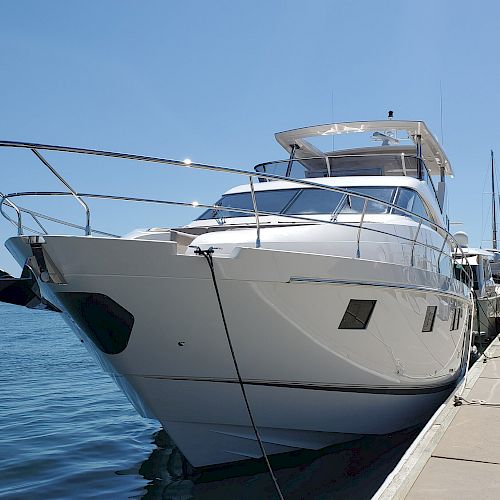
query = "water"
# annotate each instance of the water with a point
(68, 432)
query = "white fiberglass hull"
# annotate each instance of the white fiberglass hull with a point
(485, 317)
(309, 383)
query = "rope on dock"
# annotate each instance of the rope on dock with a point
(459, 401)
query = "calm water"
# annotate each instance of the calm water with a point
(68, 432)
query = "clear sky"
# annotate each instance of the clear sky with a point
(213, 81)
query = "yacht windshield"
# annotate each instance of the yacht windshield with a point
(301, 202)
(268, 201)
(355, 205)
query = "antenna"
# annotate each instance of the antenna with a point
(441, 110)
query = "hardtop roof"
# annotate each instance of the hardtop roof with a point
(432, 153)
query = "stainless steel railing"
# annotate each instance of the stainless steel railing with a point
(420, 168)
(6, 200)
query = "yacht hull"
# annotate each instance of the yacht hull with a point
(309, 383)
(485, 317)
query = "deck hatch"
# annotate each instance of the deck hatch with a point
(430, 315)
(107, 324)
(357, 314)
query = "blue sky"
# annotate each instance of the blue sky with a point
(213, 81)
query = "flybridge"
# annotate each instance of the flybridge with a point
(421, 156)
(425, 144)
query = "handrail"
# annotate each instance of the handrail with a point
(203, 166)
(184, 204)
(414, 241)
(188, 164)
(19, 217)
(441, 253)
(345, 192)
(362, 218)
(257, 221)
(302, 218)
(35, 215)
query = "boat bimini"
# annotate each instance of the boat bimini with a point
(333, 308)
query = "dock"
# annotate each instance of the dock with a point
(457, 454)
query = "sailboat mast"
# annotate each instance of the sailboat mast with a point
(494, 221)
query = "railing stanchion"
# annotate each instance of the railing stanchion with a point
(19, 218)
(256, 212)
(358, 254)
(441, 252)
(73, 192)
(338, 208)
(35, 218)
(414, 242)
(328, 166)
(18, 211)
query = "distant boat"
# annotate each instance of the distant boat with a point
(485, 266)
(495, 263)
(486, 291)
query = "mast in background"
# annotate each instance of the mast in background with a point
(493, 196)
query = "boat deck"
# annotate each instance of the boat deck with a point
(457, 454)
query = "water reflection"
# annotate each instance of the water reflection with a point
(356, 469)
(68, 432)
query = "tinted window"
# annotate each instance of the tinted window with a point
(354, 204)
(405, 200)
(410, 200)
(304, 201)
(267, 201)
(419, 208)
(430, 315)
(357, 314)
(314, 201)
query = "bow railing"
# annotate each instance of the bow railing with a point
(363, 224)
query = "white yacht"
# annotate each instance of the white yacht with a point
(336, 283)
(486, 291)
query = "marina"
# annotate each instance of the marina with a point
(249, 250)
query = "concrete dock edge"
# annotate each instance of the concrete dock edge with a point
(399, 482)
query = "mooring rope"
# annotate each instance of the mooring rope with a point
(208, 256)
